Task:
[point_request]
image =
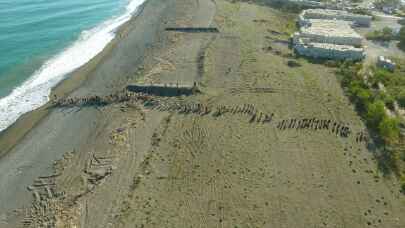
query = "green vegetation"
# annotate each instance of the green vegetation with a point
(371, 104)
(403, 184)
(394, 83)
(401, 37)
(362, 12)
(284, 6)
(390, 3)
(386, 34)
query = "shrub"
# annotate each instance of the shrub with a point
(403, 184)
(386, 34)
(401, 98)
(382, 75)
(401, 37)
(389, 129)
(380, 3)
(388, 99)
(375, 114)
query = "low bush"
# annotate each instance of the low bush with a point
(389, 130)
(401, 37)
(386, 34)
(401, 99)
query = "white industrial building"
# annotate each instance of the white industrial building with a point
(331, 37)
(309, 3)
(327, 14)
(328, 51)
(330, 31)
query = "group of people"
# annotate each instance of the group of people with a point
(204, 109)
(96, 100)
(188, 108)
(361, 137)
(337, 128)
(246, 109)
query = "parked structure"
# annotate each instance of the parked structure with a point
(385, 63)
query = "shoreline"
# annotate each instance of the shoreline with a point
(31, 145)
(10, 136)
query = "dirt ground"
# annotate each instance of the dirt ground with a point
(149, 168)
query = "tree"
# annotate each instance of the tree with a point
(386, 34)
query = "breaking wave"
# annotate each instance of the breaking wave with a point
(35, 91)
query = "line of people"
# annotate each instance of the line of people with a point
(203, 109)
(361, 137)
(337, 128)
(96, 100)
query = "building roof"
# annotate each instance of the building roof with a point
(335, 47)
(330, 28)
(334, 13)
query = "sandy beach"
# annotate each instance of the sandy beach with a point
(129, 165)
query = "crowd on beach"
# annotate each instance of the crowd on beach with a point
(95, 100)
(152, 102)
(315, 124)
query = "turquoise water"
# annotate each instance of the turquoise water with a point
(41, 41)
(32, 31)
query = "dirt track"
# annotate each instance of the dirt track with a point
(147, 168)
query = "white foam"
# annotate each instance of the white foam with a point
(35, 92)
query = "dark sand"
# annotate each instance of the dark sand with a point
(29, 148)
(127, 166)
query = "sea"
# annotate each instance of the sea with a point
(42, 41)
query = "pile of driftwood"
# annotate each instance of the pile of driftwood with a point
(315, 124)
